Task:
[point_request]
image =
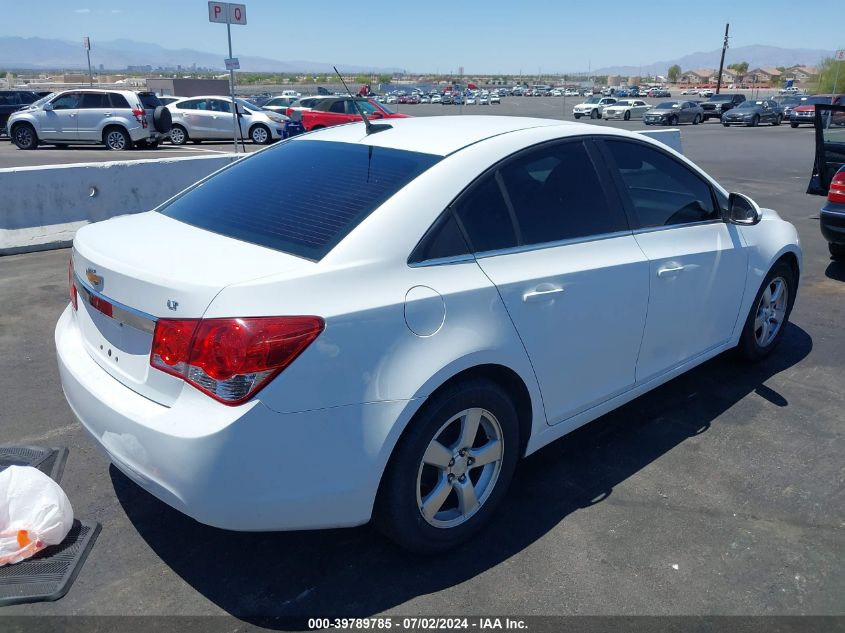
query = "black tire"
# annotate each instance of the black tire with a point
(748, 347)
(755, 121)
(837, 251)
(260, 134)
(594, 113)
(577, 116)
(627, 116)
(696, 120)
(117, 139)
(24, 136)
(673, 120)
(726, 124)
(778, 120)
(178, 135)
(793, 125)
(162, 120)
(397, 512)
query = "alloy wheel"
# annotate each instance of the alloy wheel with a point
(460, 468)
(771, 311)
(23, 136)
(259, 135)
(116, 140)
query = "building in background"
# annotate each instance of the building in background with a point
(188, 87)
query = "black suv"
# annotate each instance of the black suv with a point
(718, 104)
(12, 101)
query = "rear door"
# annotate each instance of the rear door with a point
(219, 119)
(830, 147)
(94, 108)
(697, 262)
(557, 245)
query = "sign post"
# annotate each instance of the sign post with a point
(86, 42)
(839, 57)
(228, 13)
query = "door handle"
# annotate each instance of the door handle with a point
(669, 270)
(106, 113)
(536, 296)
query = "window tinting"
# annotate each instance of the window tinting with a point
(149, 100)
(118, 100)
(9, 98)
(68, 101)
(301, 197)
(485, 217)
(191, 105)
(443, 239)
(662, 191)
(557, 195)
(94, 100)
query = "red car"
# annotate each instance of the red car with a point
(806, 112)
(335, 111)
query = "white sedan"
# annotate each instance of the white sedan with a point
(626, 109)
(350, 325)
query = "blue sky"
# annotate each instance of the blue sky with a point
(435, 35)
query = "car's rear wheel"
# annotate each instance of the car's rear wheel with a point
(450, 469)
(697, 119)
(755, 120)
(837, 251)
(24, 136)
(778, 120)
(260, 134)
(117, 139)
(178, 135)
(769, 313)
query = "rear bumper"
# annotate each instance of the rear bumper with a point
(240, 468)
(832, 222)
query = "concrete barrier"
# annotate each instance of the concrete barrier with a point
(42, 207)
(670, 137)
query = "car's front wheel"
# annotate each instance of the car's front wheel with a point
(769, 313)
(24, 136)
(450, 469)
(793, 125)
(260, 135)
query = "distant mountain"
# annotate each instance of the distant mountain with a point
(756, 55)
(39, 53)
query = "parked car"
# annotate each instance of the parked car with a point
(689, 91)
(210, 118)
(788, 102)
(592, 107)
(626, 109)
(673, 113)
(806, 112)
(338, 110)
(706, 93)
(828, 177)
(436, 98)
(280, 105)
(718, 104)
(12, 101)
(660, 93)
(167, 100)
(495, 98)
(118, 119)
(752, 113)
(307, 339)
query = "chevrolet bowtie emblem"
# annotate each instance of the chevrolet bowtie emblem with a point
(93, 277)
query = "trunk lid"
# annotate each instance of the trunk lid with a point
(135, 269)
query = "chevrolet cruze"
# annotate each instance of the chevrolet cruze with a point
(349, 326)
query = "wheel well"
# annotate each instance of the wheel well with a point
(792, 260)
(511, 382)
(18, 124)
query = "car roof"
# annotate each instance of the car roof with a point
(442, 135)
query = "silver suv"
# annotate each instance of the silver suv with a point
(119, 119)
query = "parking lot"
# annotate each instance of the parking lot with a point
(718, 493)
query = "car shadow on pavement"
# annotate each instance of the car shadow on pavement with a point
(835, 271)
(278, 580)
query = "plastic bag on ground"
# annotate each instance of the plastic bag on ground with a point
(34, 513)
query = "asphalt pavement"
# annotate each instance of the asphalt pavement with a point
(720, 492)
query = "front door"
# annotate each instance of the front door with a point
(697, 262)
(572, 277)
(60, 123)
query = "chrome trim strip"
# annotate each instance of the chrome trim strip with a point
(652, 229)
(136, 319)
(536, 247)
(442, 261)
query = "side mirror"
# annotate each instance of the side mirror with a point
(743, 210)
(48, 107)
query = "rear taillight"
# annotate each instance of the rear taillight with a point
(231, 359)
(836, 193)
(140, 116)
(74, 299)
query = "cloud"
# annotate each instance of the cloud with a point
(82, 10)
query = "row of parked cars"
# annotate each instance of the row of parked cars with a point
(730, 109)
(124, 119)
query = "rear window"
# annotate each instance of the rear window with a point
(149, 99)
(300, 197)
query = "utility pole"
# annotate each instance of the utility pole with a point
(722, 61)
(86, 42)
